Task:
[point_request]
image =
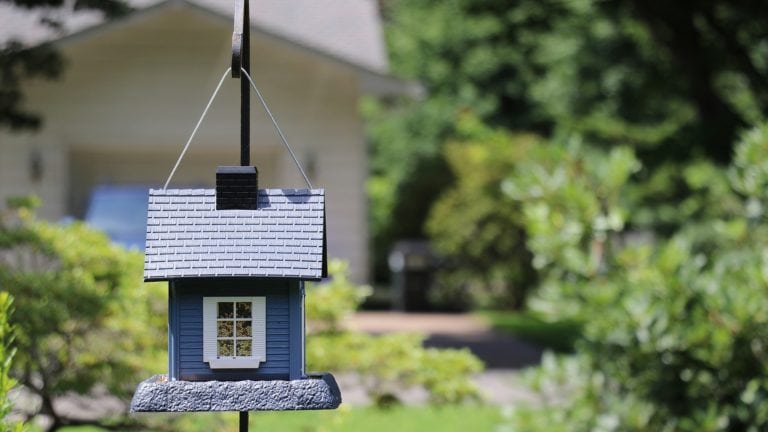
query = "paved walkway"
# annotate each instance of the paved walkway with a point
(497, 350)
(503, 355)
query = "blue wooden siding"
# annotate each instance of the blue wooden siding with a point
(173, 331)
(188, 351)
(296, 305)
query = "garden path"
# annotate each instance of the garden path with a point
(504, 355)
(496, 349)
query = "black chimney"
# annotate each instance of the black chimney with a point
(237, 187)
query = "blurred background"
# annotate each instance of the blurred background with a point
(546, 215)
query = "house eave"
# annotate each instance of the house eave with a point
(380, 84)
(372, 81)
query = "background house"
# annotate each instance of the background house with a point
(134, 88)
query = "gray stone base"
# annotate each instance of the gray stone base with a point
(157, 394)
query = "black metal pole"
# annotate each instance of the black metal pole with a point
(243, 421)
(245, 121)
(245, 94)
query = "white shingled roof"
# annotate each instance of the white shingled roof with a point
(349, 30)
(188, 238)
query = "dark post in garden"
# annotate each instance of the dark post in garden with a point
(236, 259)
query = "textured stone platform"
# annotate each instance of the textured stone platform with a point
(157, 394)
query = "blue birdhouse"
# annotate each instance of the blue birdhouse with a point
(236, 259)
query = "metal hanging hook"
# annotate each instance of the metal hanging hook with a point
(240, 37)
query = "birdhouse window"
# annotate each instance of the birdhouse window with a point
(234, 332)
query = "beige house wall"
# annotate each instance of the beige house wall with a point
(133, 92)
(17, 153)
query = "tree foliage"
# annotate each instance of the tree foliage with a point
(83, 318)
(674, 329)
(675, 81)
(475, 227)
(520, 203)
(20, 62)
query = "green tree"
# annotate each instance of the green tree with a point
(475, 227)
(464, 58)
(19, 62)
(493, 235)
(674, 80)
(83, 317)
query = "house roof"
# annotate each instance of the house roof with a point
(188, 238)
(346, 30)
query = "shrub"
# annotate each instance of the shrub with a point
(385, 363)
(329, 303)
(674, 332)
(521, 204)
(83, 318)
(475, 227)
(7, 352)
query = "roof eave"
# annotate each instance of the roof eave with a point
(379, 84)
(169, 279)
(372, 81)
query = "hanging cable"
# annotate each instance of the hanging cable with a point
(266, 109)
(205, 111)
(279, 131)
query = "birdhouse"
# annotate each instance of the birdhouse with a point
(236, 259)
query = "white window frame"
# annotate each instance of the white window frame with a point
(258, 334)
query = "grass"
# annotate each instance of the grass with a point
(344, 419)
(558, 336)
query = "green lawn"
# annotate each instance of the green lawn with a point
(397, 419)
(558, 336)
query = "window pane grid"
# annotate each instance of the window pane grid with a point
(234, 324)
